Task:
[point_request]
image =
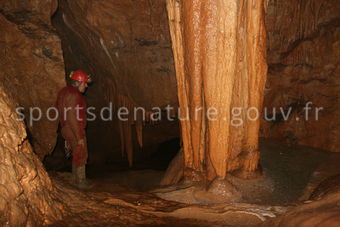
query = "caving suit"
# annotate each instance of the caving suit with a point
(72, 114)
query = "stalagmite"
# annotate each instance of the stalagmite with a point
(219, 50)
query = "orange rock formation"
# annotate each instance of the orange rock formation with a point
(219, 50)
(32, 66)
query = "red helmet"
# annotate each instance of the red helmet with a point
(81, 76)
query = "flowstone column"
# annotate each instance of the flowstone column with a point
(219, 51)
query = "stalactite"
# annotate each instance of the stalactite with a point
(132, 121)
(219, 51)
(139, 131)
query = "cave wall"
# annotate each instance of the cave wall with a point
(31, 73)
(26, 194)
(126, 46)
(32, 64)
(303, 46)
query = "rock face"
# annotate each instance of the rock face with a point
(219, 51)
(326, 187)
(26, 193)
(31, 74)
(303, 59)
(319, 213)
(32, 65)
(126, 46)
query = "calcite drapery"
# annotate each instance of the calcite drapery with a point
(219, 51)
(134, 119)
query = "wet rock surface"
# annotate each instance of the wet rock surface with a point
(326, 187)
(315, 213)
(31, 73)
(27, 197)
(32, 66)
(109, 204)
(303, 59)
(216, 62)
(126, 46)
(290, 174)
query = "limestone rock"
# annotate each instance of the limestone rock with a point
(320, 213)
(26, 193)
(303, 59)
(326, 187)
(124, 43)
(32, 65)
(219, 52)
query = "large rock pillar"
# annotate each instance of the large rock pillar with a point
(219, 51)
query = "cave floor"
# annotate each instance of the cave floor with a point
(107, 204)
(289, 173)
(123, 198)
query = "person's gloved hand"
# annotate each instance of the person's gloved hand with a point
(81, 142)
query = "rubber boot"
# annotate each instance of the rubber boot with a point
(81, 180)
